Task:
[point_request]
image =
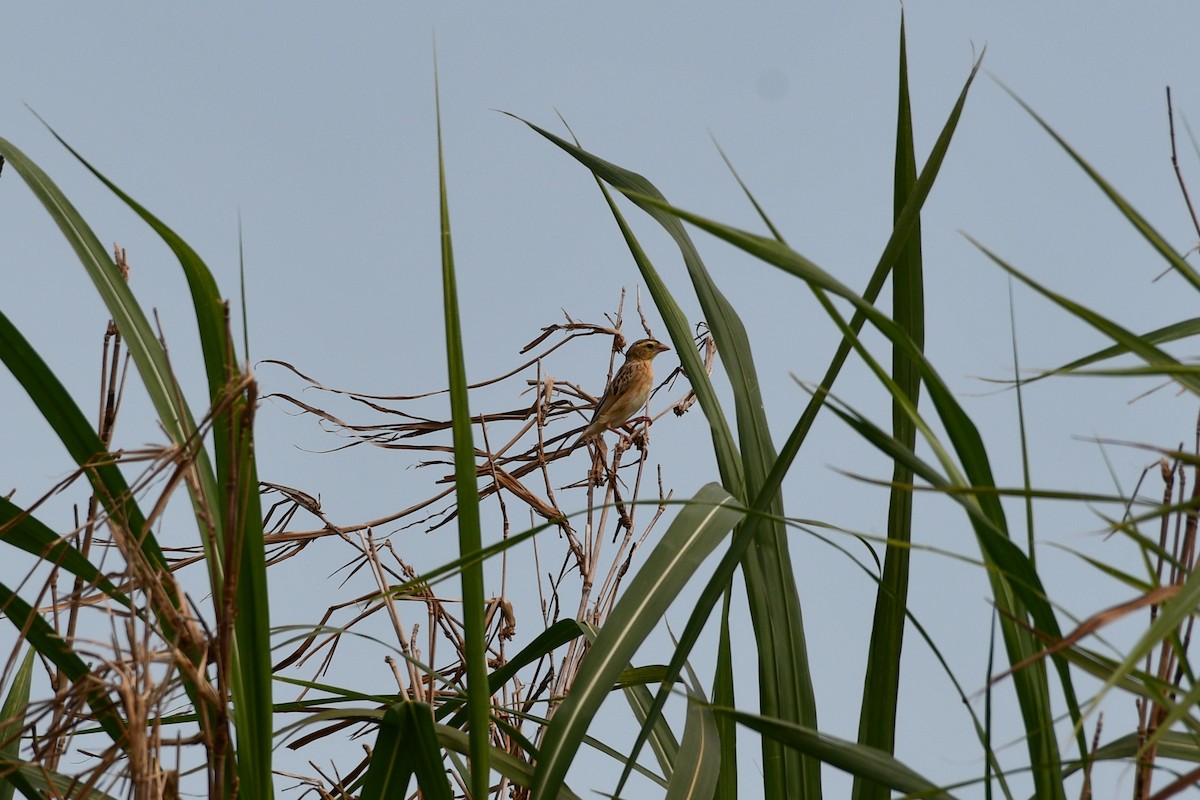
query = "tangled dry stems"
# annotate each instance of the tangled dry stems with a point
(157, 665)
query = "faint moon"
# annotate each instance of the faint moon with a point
(772, 84)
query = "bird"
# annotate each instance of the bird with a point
(628, 391)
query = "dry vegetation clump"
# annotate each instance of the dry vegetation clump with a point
(524, 453)
(155, 652)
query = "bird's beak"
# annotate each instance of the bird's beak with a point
(661, 348)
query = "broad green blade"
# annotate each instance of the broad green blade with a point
(692, 536)
(1156, 240)
(858, 760)
(881, 685)
(785, 686)
(407, 745)
(724, 695)
(147, 352)
(661, 738)
(36, 783)
(46, 641)
(1130, 341)
(699, 761)
(1172, 744)
(1016, 586)
(236, 466)
(12, 719)
(515, 770)
(235, 469)
(25, 532)
(542, 645)
(903, 228)
(467, 495)
(81, 441)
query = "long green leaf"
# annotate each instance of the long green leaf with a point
(43, 638)
(858, 760)
(467, 494)
(881, 685)
(514, 769)
(699, 762)
(1168, 333)
(1130, 341)
(1143, 226)
(692, 536)
(81, 441)
(785, 685)
(147, 352)
(407, 745)
(542, 645)
(12, 720)
(1016, 586)
(724, 694)
(37, 783)
(908, 218)
(25, 532)
(662, 739)
(240, 508)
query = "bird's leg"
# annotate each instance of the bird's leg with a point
(599, 455)
(638, 437)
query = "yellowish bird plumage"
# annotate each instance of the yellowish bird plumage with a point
(628, 391)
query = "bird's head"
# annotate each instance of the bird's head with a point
(645, 350)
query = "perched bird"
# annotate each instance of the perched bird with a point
(628, 391)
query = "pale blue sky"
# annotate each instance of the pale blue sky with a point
(315, 124)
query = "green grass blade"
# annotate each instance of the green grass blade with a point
(469, 537)
(12, 719)
(1168, 333)
(514, 769)
(1126, 339)
(858, 760)
(127, 314)
(699, 762)
(785, 685)
(147, 352)
(542, 645)
(77, 436)
(692, 536)
(881, 685)
(1137, 220)
(1016, 588)
(406, 745)
(724, 695)
(1016, 585)
(1168, 621)
(25, 532)
(46, 641)
(37, 783)
(211, 311)
(1173, 744)
(240, 507)
(661, 739)
(902, 229)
